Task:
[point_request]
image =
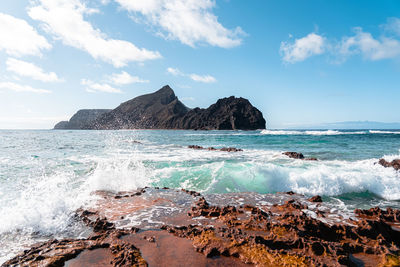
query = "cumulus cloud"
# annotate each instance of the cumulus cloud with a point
(385, 46)
(189, 21)
(22, 88)
(125, 78)
(303, 48)
(393, 26)
(23, 68)
(93, 87)
(369, 47)
(202, 78)
(65, 20)
(193, 76)
(175, 72)
(18, 38)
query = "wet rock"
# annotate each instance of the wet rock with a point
(192, 193)
(230, 149)
(195, 147)
(315, 199)
(312, 159)
(395, 164)
(224, 149)
(263, 235)
(294, 155)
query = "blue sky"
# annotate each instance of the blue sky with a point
(300, 62)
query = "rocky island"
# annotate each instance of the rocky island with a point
(163, 110)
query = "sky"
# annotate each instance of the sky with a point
(300, 62)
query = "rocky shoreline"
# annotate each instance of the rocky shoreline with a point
(170, 227)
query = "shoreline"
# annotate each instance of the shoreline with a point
(236, 229)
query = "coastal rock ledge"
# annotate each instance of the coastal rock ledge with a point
(163, 110)
(172, 227)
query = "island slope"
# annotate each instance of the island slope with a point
(163, 110)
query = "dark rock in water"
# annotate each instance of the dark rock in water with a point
(224, 149)
(81, 119)
(394, 164)
(195, 147)
(294, 155)
(231, 149)
(163, 110)
(315, 199)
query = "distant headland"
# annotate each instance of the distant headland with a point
(163, 110)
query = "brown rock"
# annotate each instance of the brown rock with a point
(315, 199)
(394, 163)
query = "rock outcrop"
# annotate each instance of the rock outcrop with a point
(395, 164)
(163, 110)
(239, 230)
(296, 155)
(81, 119)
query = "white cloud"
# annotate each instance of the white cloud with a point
(189, 21)
(193, 76)
(393, 26)
(303, 48)
(175, 72)
(370, 48)
(93, 87)
(124, 78)
(27, 69)
(386, 46)
(18, 38)
(202, 78)
(22, 88)
(65, 20)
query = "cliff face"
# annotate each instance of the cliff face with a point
(227, 114)
(163, 110)
(81, 119)
(151, 111)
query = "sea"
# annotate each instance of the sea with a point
(46, 175)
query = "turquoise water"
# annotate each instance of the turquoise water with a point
(46, 175)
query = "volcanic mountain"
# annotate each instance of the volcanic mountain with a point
(163, 110)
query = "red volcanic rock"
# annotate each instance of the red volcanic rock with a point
(394, 163)
(259, 234)
(315, 199)
(389, 215)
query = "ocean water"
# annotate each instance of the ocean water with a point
(46, 175)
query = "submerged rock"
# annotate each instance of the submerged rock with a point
(163, 110)
(225, 149)
(395, 164)
(296, 155)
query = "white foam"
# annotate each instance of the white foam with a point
(326, 132)
(383, 132)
